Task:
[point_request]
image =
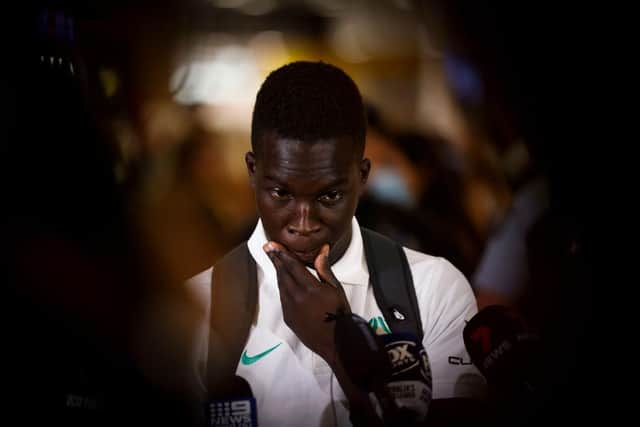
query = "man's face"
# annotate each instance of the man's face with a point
(307, 193)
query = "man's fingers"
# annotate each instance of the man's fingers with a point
(325, 273)
(296, 269)
(285, 284)
(293, 291)
(323, 268)
(273, 250)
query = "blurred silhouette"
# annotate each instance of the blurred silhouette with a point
(415, 195)
(97, 328)
(503, 275)
(522, 55)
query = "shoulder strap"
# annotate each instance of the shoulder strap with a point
(234, 295)
(392, 283)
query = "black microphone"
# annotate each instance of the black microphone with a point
(506, 351)
(232, 404)
(361, 352)
(394, 367)
(410, 383)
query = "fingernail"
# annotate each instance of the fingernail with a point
(270, 249)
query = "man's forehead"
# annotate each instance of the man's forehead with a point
(320, 161)
(323, 151)
(274, 141)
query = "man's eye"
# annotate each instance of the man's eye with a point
(279, 194)
(331, 197)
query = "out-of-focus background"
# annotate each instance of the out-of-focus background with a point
(123, 161)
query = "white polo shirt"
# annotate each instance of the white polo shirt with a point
(293, 385)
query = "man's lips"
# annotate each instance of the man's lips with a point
(306, 256)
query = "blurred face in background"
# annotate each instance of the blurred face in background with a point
(394, 178)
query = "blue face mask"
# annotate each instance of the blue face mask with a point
(387, 185)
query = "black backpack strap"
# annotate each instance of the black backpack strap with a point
(392, 283)
(234, 296)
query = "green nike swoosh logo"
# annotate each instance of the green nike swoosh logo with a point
(248, 360)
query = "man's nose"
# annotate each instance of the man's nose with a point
(304, 221)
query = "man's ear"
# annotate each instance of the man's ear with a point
(250, 161)
(365, 168)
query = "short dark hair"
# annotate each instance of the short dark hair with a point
(309, 101)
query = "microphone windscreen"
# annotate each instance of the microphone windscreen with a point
(410, 382)
(361, 351)
(232, 404)
(501, 346)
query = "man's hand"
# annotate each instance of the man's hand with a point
(305, 303)
(306, 300)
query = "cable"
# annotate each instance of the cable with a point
(333, 403)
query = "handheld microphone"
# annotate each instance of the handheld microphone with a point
(232, 404)
(410, 383)
(505, 350)
(361, 352)
(394, 367)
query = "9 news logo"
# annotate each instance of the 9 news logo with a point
(233, 413)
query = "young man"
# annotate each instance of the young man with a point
(308, 172)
